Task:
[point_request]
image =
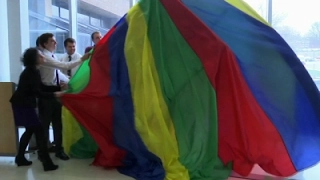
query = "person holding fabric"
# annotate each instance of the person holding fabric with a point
(52, 62)
(48, 64)
(70, 56)
(77, 142)
(50, 109)
(24, 103)
(95, 37)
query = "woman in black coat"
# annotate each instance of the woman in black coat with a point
(24, 104)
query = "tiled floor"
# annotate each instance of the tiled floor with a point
(68, 170)
(76, 169)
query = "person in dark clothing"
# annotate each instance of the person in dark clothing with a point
(95, 37)
(24, 104)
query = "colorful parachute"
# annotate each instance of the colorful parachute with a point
(77, 141)
(193, 89)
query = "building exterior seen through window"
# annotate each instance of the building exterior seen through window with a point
(92, 15)
(298, 23)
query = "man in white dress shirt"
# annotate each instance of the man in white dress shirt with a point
(51, 62)
(70, 56)
(50, 109)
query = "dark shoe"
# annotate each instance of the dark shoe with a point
(22, 161)
(47, 163)
(49, 166)
(63, 156)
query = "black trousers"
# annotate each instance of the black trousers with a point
(50, 113)
(40, 140)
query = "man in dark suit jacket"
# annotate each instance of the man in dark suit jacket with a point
(95, 37)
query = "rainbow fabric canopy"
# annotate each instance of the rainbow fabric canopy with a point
(194, 89)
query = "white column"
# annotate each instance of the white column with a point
(4, 61)
(269, 6)
(73, 9)
(18, 33)
(133, 2)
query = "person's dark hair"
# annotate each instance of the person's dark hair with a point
(92, 35)
(68, 40)
(38, 42)
(29, 57)
(44, 38)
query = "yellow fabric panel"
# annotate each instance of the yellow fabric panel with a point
(152, 118)
(71, 130)
(244, 7)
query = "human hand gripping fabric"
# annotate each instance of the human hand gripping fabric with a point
(58, 94)
(86, 56)
(64, 86)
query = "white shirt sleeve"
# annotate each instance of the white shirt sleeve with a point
(52, 63)
(63, 77)
(79, 55)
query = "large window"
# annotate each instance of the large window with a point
(300, 27)
(97, 15)
(260, 6)
(298, 23)
(49, 17)
(92, 15)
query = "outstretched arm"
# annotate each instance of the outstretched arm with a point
(50, 62)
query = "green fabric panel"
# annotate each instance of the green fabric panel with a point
(188, 93)
(85, 148)
(81, 78)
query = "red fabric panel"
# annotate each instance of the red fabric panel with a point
(246, 135)
(93, 108)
